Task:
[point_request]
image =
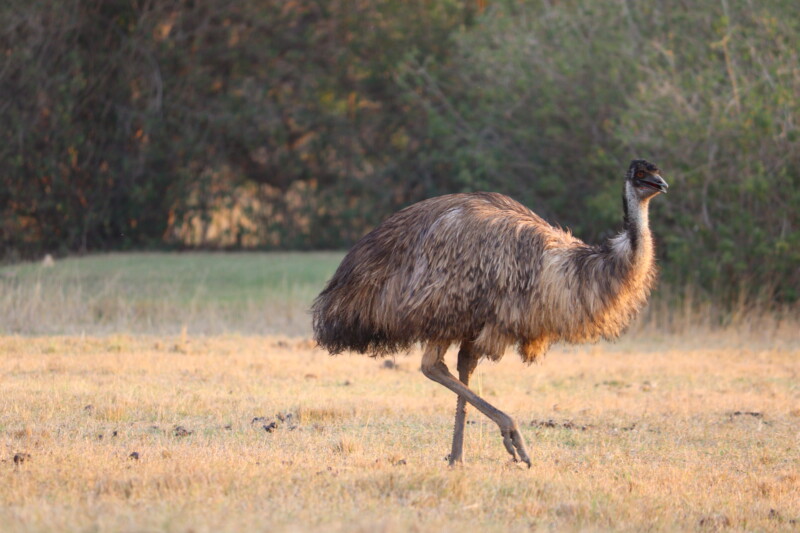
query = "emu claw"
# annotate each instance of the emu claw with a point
(514, 444)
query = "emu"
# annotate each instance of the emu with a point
(483, 271)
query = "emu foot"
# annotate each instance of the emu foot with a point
(512, 440)
(455, 459)
(454, 462)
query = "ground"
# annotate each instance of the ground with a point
(151, 392)
(262, 433)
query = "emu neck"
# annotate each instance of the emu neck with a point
(636, 225)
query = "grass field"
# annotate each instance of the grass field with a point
(172, 424)
(629, 437)
(158, 293)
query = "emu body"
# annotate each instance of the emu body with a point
(483, 271)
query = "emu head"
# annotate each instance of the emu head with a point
(643, 180)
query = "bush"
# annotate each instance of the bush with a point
(125, 121)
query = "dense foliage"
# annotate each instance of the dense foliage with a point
(302, 123)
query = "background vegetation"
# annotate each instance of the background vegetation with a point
(199, 293)
(300, 124)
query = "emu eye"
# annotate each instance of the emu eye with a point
(640, 174)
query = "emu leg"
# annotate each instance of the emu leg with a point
(467, 361)
(434, 368)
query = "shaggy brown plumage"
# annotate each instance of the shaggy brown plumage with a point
(483, 267)
(484, 270)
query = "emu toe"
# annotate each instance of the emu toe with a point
(515, 444)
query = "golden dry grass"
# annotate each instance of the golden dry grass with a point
(660, 434)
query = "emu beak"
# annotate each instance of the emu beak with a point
(656, 182)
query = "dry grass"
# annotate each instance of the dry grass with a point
(263, 433)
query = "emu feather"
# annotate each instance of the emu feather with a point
(482, 267)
